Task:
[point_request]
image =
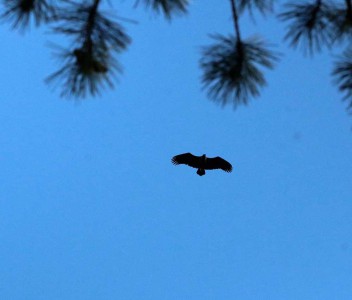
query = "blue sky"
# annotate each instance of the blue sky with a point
(92, 208)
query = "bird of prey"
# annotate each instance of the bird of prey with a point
(202, 163)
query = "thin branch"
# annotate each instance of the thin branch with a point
(91, 22)
(235, 19)
(349, 8)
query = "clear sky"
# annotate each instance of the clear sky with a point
(92, 208)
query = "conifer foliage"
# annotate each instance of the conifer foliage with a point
(322, 24)
(232, 66)
(96, 38)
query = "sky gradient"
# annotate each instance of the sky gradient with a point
(92, 208)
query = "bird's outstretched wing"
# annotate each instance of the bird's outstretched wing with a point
(186, 159)
(218, 163)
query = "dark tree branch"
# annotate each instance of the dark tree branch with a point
(235, 19)
(232, 69)
(20, 12)
(342, 74)
(90, 65)
(310, 25)
(349, 8)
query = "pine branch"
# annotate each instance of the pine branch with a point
(235, 19)
(310, 25)
(167, 7)
(263, 6)
(232, 67)
(349, 8)
(21, 12)
(342, 74)
(233, 76)
(341, 22)
(90, 65)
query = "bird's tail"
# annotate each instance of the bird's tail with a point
(201, 172)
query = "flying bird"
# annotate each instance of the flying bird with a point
(202, 163)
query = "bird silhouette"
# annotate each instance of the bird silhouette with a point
(202, 163)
